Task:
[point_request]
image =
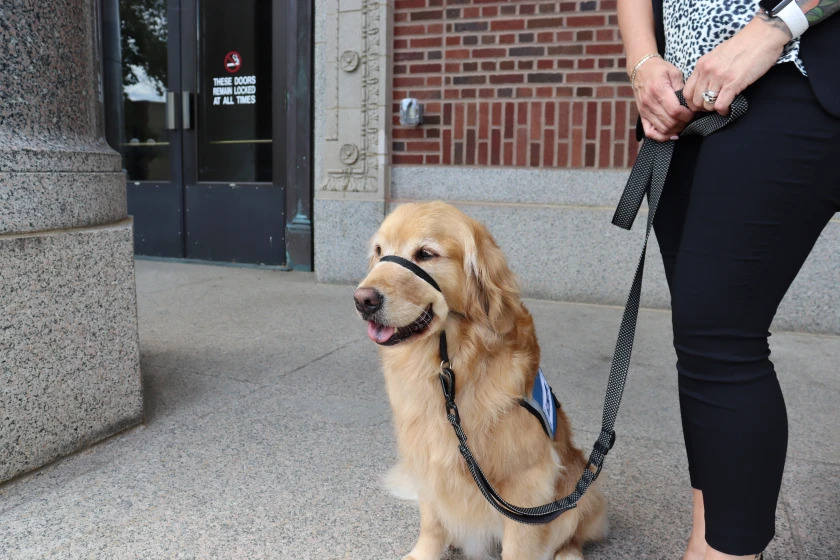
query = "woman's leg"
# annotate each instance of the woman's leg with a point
(761, 193)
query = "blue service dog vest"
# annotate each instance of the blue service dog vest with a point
(543, 404)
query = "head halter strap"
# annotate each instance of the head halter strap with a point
(413, 268)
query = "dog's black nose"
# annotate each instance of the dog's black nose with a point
(368, 300)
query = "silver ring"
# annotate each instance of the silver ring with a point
(710, 96)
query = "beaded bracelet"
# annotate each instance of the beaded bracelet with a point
(636, 68)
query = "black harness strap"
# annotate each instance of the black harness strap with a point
(647, 177)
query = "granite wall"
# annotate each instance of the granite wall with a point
(69, 364)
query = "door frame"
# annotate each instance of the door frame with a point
(295, 18)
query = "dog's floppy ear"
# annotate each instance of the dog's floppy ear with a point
(492, 289)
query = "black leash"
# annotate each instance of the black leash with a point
(647, 177)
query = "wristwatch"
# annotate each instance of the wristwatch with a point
(773, 7)
(789, 12)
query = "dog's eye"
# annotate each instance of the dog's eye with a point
(424, 255)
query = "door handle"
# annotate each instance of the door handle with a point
(187, 109)
(169, 123)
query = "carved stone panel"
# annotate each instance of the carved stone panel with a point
(357, 98)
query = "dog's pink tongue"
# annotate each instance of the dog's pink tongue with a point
(379, 333)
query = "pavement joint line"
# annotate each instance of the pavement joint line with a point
(178, 286)
(321, 357)
(795, 533)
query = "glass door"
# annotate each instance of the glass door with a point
(150, 140)
(234, 199)
(202, 129)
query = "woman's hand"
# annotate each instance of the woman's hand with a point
(662, 115)
(736, 63)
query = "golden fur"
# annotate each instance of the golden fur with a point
(495, 357)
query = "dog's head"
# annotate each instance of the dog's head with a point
(461, 257)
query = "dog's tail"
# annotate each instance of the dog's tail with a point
(399, 483)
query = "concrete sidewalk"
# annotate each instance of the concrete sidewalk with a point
(268, 429)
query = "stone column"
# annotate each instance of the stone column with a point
(352, 119)
(69, 369)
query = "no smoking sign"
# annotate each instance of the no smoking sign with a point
(233, 62)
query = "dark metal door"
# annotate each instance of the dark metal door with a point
(202, 144)
(150, 139)
(234, 198)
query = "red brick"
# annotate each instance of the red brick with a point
(458, 153)
(524, 92)
(488, 53)
(453, 40)
(497, 115)
(522, 113)
(507, 65)
(577, 147)
(536, 120)
(545, 37)
(422, 146)
(543, 91)
(583, 77)
(409, 30)
(470, 147)
(426, 15)
(484, 121)
(604, 91)
(410, 159)
(577, 114)
(486, 93)
(507, 79)
(605, 34)
(618, 154)
(459, 121)
(434, 80)
(508, 153)
(620, 118)
(482, 153)
(452, 94)
(563, 119)
(488, 66)
(586, 63)
(535, 154)
(562, 154)
(589, 155)
(616, 48)
(409, 81)
(545, 64)
(400, 133)
(425, 68)
(522, 146)
(543, 23)
(563, 91)
(447, 147)
(606, 113)
(565, 36)
(457, 53)
(434, 28)
(548, 147)
(507, 24)
(490, 11)
(432, 159)
(471, 115)
(495, 147)
(423, 42)
(507, 39)
(510, 109)
(584, 21)
(400, 44)
(604, 147)
(409, 4)
(591, 120)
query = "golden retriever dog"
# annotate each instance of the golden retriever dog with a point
(495, 356)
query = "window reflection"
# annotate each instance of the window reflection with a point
(143, 30)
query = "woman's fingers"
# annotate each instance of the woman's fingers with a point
(652, 132)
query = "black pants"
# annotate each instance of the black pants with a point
(740, 212)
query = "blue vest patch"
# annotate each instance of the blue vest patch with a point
(542, 404)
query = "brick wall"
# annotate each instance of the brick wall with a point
(513, 83)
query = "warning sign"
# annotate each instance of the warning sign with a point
(233, 62)
(235, 90)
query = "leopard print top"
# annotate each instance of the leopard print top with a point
(695, 27)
